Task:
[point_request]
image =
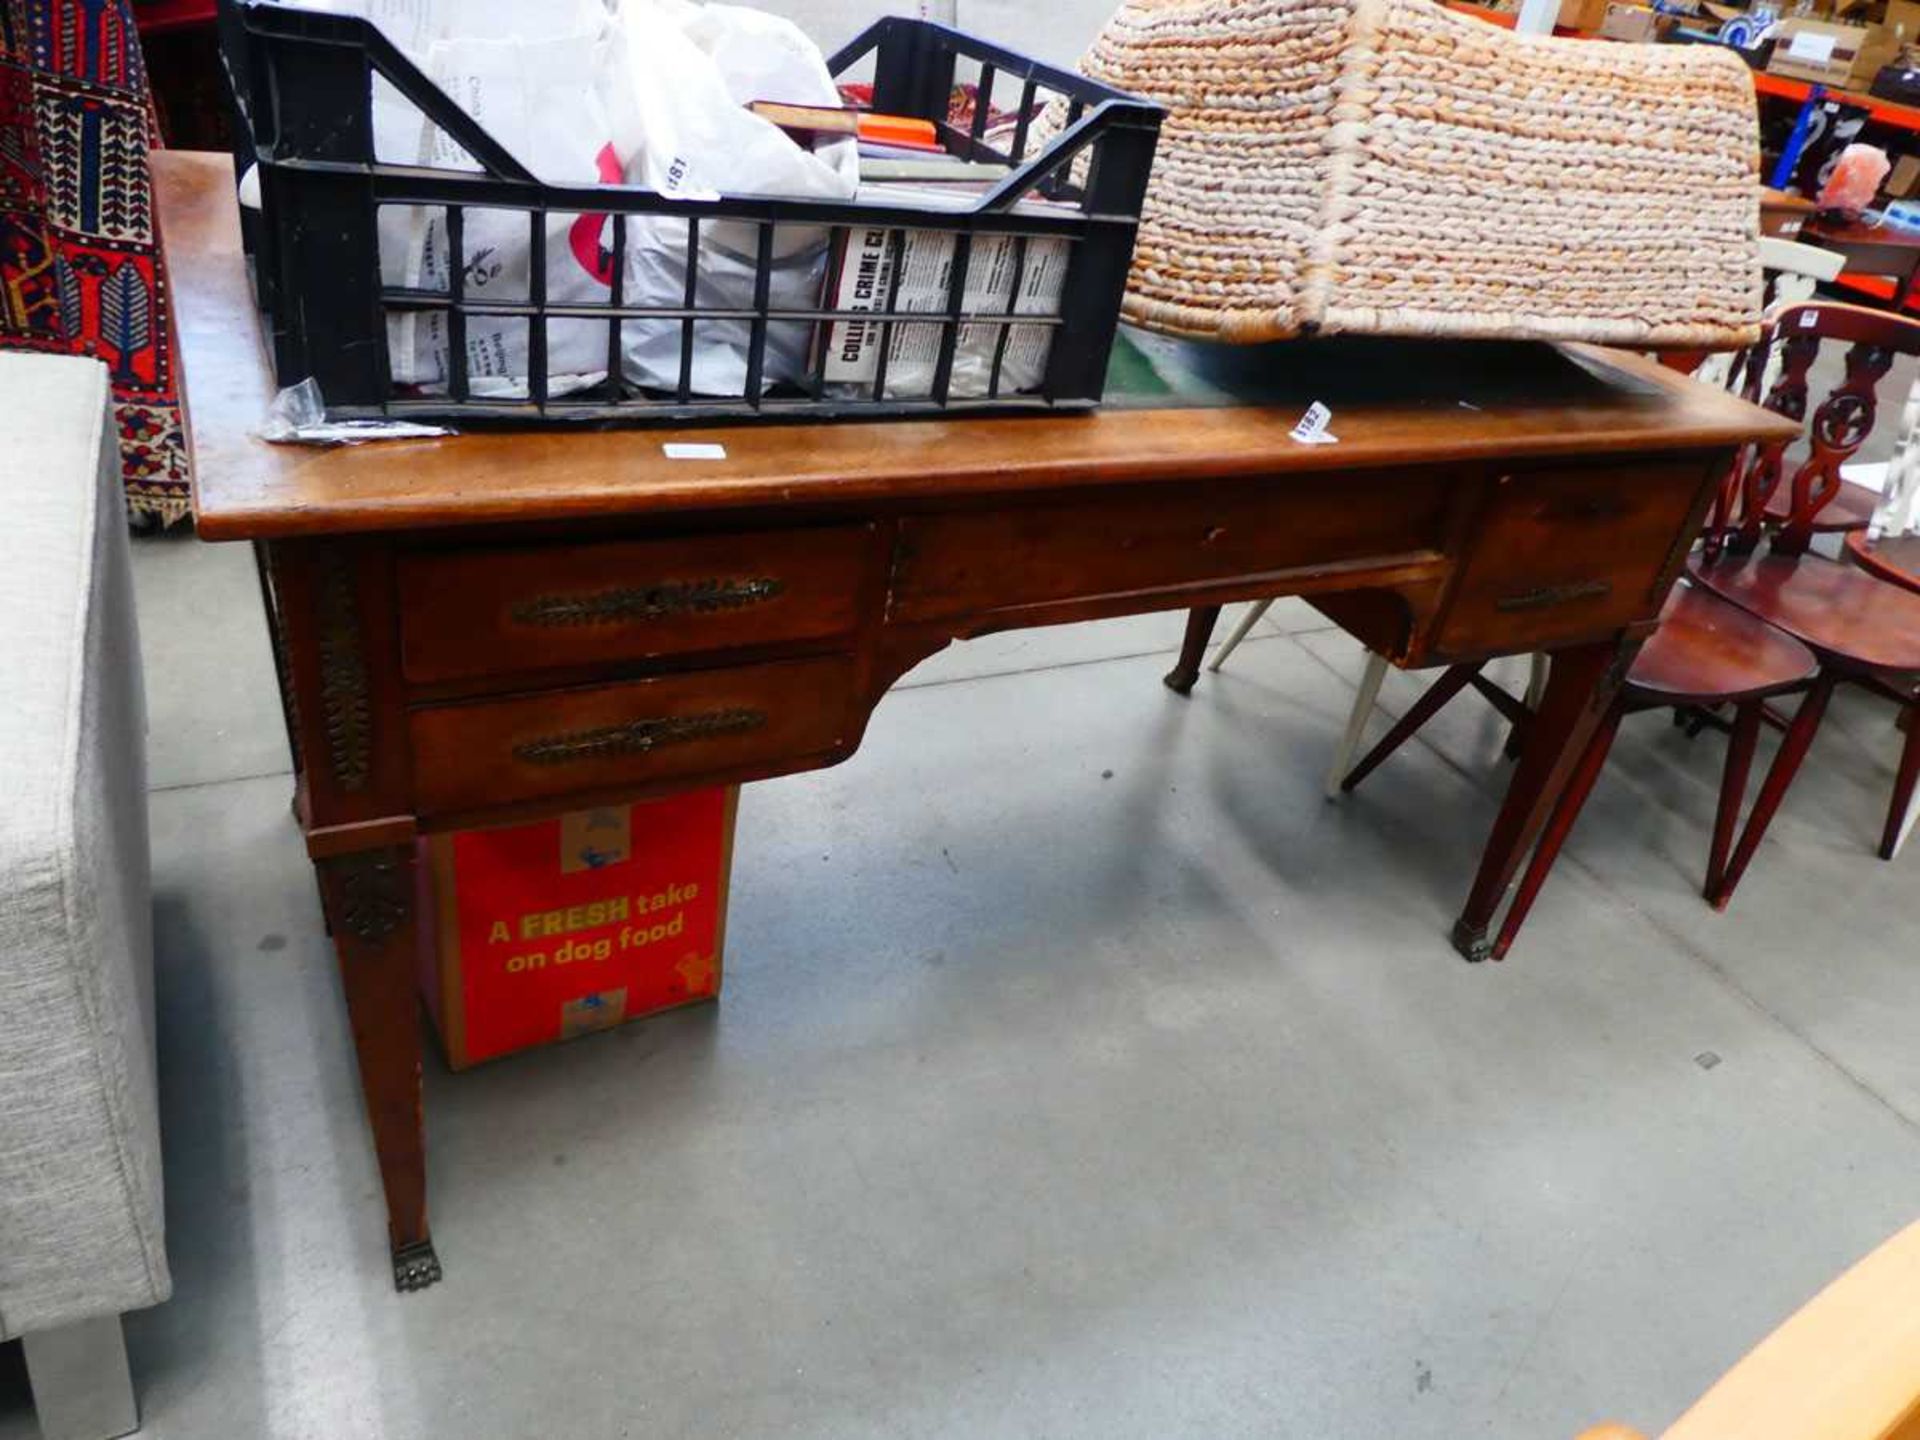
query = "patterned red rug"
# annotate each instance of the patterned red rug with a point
(80, 268)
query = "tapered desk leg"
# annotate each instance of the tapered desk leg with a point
(1186, 670)
(1580, 686)
(369, 899)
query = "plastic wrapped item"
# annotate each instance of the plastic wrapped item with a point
(518, 70)
(864, 279)
(1854, 180)
(1899, 509)
(690, 71)
(297, 415)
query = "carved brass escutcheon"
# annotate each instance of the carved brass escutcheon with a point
(648, 602)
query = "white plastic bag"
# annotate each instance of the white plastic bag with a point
(527, 95)
(650, 92)
(692, 70)
(535, 78)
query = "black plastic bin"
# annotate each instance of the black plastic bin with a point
(302, 91)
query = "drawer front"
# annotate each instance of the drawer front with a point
(489, 753)
(1205, 533)
(1567, 553)
(477, 612)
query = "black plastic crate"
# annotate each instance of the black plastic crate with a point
(302, 83)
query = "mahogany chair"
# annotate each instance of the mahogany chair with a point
(1865, 630)
(1845, 1366)
(1895, 559)
(1850, 510)
(1706, 653)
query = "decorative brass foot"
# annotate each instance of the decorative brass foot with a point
(1471, 941)
(415, 1266)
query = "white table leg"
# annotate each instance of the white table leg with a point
(1363, 703)
(1247, 622)
(1536, 680)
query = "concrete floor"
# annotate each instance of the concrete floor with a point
(1081, 1072)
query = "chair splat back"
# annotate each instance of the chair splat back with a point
(1836, 431)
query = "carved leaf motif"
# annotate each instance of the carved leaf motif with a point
(344, 703)
(374, 899)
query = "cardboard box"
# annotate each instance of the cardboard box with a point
(1632, 23)
(1817, 51)
(1903, 181)
(1897, 29)
(546, 931)
(1586, 16)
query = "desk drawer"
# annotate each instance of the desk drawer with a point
(1567, 553)
(479, 612)
(1116, 545)
(489, 753)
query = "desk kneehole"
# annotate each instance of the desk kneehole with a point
(1162, 540)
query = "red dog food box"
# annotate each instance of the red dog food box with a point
(546, 931)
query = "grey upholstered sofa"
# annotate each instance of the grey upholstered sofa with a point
(80, 1209)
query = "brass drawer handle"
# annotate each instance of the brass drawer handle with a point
(1547, 596)
(637, 737)
(648, 602)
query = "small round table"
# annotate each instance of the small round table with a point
(1872, 250)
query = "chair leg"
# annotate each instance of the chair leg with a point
(1363, 704)
(1247, 622)
(81, 1387)
(1906, 827)
(1566, 810)
(1786, 763)
(1902, 810)
(1733, 791)
(1422, 710)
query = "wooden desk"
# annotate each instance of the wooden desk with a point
(504, 625)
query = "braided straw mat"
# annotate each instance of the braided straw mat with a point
(1390, 167)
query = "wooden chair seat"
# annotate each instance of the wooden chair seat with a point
(1851, 508)
(1895, 559)
(1708, 651)
(1842, 612)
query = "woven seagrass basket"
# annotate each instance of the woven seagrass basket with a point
(1391, 167)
